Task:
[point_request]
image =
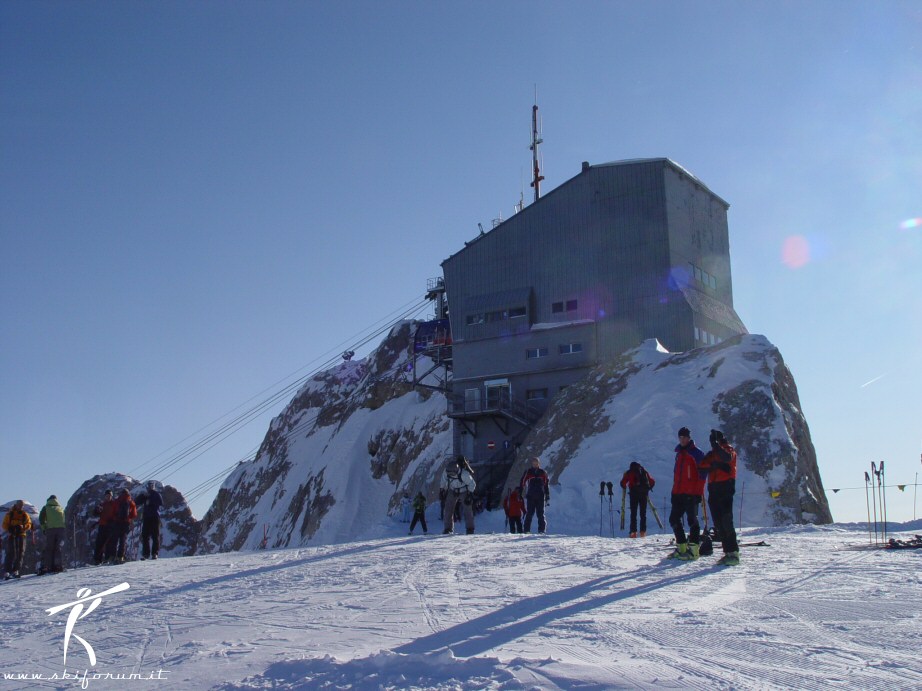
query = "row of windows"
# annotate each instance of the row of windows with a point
(705, 338)
(562, 349)
(533, 395)
(703, 277)
(559, 307)
(496, 316)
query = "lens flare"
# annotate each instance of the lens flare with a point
(911, 223)
(795, 252)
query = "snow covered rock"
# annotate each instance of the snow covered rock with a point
(178, 528)
(337, 459)
(631, 409)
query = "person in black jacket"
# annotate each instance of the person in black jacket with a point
(150, 522)
(534, 487)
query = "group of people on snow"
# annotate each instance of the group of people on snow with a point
(693, 471)
(115, 517)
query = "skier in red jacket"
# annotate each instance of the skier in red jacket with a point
(720, 466)
(687, 489)
(638, 483)
(514, 506)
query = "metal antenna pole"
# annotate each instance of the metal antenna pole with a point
(535, 141)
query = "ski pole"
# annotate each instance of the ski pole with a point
(601, 501)
(867, 498)
(611, 509)
(655, 514)
(742, 494)
(874, 497)
(883, 487)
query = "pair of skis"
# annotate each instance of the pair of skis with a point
(650, 503)
(609, 486)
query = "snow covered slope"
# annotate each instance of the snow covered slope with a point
(487, 611)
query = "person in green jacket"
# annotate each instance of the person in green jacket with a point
(51, 519)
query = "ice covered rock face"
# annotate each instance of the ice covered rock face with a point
(178, 531)
(631, 409)
(337, 460)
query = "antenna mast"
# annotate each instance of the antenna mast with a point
(535, 140)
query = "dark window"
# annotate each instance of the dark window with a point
(532, 353)
(557, 307)
(536, 394)
(516, 312)
(568, 348)
(571, 305)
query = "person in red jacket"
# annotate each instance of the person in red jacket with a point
(105, 511)
(514, 506)
(720, 466)
(638, 483)
(125, 512)
(687, 488)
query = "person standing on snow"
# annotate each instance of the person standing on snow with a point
(514, 506)
(459, 485)
(720, 466)
(534, 486)
(687, 488)
(638, 483)
(419, 513)
(150, 521)
(16, 523)
(405, 508)
(105, 511)
(51, 519)
(125, 512)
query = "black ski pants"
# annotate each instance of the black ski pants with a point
(419, 517)
(685, 506)
(638, 501)
(51, 557)
(535, 505)
(515, 524)
(150, 537)
(15, 550)
(720, 501)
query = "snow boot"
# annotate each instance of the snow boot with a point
(633, 534)
(729, 559)
(643, 533)
(690, 553)
(681, 550)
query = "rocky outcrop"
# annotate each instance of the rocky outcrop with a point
(178, 531)
(631, 408)
(337, 459)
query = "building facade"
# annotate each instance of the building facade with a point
(621, 253)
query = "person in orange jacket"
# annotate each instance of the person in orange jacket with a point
(514, 506)
(638, 482)
(16, 523)
(125, 512)
(720, 465)
(105, 511)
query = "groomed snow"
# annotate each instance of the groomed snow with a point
(488, 611)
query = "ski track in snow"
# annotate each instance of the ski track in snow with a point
(490, 611)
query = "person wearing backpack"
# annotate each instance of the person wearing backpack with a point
(51, 519)
(534, 486)
(638, 483)
(514, 506)
(125, 512)
(419, 513)
(16, 523)
(459, 485)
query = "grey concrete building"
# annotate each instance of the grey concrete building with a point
(622, 252)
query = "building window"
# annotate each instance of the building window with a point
(557, 307)
(570, 348)
(703, 278)
(473, 319)
(571, 305)
(536, 394)
(516, 312)
(532, 353)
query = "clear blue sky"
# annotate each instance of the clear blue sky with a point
(199, 199)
